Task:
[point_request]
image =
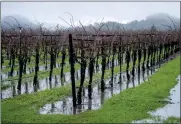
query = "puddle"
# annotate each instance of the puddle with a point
(28, 71)
(28, 87)
(65, 106)
(172, 109)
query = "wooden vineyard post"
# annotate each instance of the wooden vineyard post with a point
(20, 65)
(72, 69)
(120, 57)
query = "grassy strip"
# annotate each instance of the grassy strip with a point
(32, 64)
(131, 104)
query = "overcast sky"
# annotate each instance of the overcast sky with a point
(88, 11)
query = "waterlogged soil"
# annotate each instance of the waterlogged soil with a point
(43, 84)
(27, 86)
(172, 109)
(65, 106)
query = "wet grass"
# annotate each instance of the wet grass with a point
(173, 120)
(30, 65)
(131, 104)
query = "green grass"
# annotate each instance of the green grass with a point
(173, 120)
(131, 104)
(31, 65)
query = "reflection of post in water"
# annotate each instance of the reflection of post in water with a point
(64, 105)
(19, 91)
(77, 75)
(151, 70)
(111, 88)
(62, 80)
(127, 75)
(120, 82)
(127, 84)
(13, 90)
(29, 70)
(52, 107)
(64, 76)
(36, 87)
(79, 108)
(133, 77)
(74, 110)
(143, 75)
(102, 97)
(26, 87)
(148, 74)
(89, 103)
(50, 84)
(56, 81)
(83, 90)
(46, 82)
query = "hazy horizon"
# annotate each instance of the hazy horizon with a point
(88, 12)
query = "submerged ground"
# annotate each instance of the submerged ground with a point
(131, 104)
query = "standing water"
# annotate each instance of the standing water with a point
(65, 106)
(172, 109)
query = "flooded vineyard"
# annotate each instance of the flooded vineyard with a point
(96, 67)
(97, 98)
